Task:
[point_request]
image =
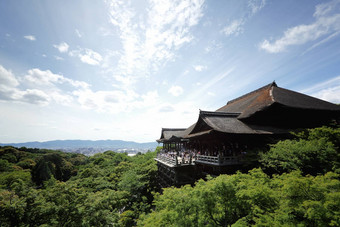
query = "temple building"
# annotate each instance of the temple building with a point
(219, 140)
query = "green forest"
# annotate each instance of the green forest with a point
(293, 182)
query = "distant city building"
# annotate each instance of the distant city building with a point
(219, 140)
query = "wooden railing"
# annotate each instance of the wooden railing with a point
(216, 160)
(167, 159)
(228, 160)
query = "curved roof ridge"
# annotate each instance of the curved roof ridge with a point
(271, 95)
(216, 113)
(273, 84)
(295, 99)
(173, 129)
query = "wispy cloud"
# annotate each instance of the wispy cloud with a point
(328, 90)
(322, 41)
(115, 101)
(235, 27)
(30, 37)
(58, 58)
(214, 45)
(200, 68)
(90, 57)
(166, 108)
(331, 94)
(62, 47)
(78, 33)
(205, 87)
(87, 56)
(327, 21)
(149, 41)
(176, 90)
(256, 5)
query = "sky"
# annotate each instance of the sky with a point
(126, 69)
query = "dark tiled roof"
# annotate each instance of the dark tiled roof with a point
(226, 123)
(171, 133)
(297, 100)
(250, 103)
(266, 96)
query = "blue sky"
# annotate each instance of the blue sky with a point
(125, 69)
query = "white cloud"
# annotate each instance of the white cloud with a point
(9, 90)
(90, 57)
(166, 108)
(37, 77)
(176, 90)
(49, 87)
(234, 28)
(256, 5)
(43, 78)
(8, 84)
(325, 8)
(109, 56)
(87, 56)
(30, 37)
(200, 68)
(62, 47)
(331, 94)
(328, 90)
(181, 115)
(38, 87)
(150, 41)
(115, 101)
(58, 58)
(104, 31)
(151, 98)
(327, 20)
(7, 78)
(214, 45)
(34, 96)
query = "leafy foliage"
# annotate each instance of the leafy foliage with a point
(250, 199)
(307, 193)
(313, 151)
(50, 188)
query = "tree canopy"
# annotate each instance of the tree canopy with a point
(295, 183)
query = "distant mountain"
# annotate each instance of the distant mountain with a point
(92, 146)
